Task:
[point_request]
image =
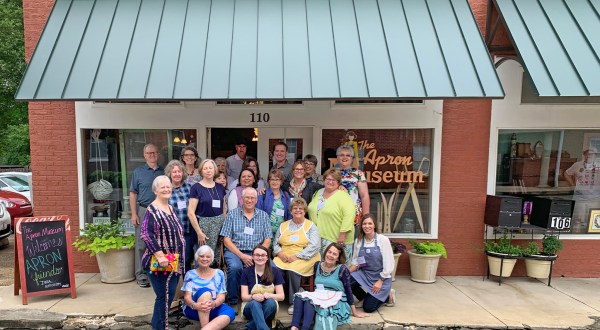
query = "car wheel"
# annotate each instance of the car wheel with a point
(3, 243)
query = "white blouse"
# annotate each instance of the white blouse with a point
(386, 250)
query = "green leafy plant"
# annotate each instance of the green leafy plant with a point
(503, 245)
(398, 247)
(429, 248)
(551, 245)
(101, 237)
(531, 249)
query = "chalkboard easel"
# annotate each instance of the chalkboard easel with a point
(43, 260)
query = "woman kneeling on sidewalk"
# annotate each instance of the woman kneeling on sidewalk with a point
(205, 293)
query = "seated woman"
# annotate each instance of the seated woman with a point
(371, 267)
(205, 293)
(296, 246)
(262, 288)
(332, 301)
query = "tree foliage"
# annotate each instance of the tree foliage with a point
(14, 147)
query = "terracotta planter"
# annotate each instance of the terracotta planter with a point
(538, 268)
(423, 267)
(116, 266)
(507, 267)
(396, 260)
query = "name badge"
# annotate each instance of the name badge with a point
(361, 261)
(216, 203)
(291, 200)
(249, 231)
(181, 205)
(279, 212)
(320, 286)
(294, 238)
(368, 251)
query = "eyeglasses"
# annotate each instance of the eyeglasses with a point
(298, 169)
(345, 155)
(249, 197)
(330, 180)
(309, 164)
(296, 208)
(275, 179)
(189, 155)
(259, 255)
(151, 153)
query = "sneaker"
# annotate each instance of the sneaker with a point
(291, 310)
(392, 300)
(143, 282)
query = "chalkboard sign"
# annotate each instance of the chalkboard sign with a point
(43, 256)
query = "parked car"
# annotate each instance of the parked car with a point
(5, 227)
(15, 184)
(25, 176)
(17, 205)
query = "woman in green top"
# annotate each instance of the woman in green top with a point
(332, 210)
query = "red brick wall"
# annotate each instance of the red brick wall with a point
(53, 145)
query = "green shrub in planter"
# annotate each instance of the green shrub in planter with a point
(101, 237)
(429, 248)
(503, 246)
(551, 245)
(531, 249)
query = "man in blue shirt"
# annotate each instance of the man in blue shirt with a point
(140, 196)
(244, 228)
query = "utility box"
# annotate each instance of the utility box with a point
(551, 213)
(503, 211)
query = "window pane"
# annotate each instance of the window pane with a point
(553, 163)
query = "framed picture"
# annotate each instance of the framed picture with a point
(594, 226)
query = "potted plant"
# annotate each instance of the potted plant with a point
(502, 254)
(538, 263)
(397, 249)
(424, 260)
(113, 250)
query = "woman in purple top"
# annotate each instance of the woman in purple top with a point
(206, 209)
(163, 235)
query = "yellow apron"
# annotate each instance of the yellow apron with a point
(259, 288)
(293, 242)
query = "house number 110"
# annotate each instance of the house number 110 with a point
(260, 117)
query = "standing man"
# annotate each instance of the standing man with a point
(280, 157)
(140, 196)
(244, 228)
(234, 162)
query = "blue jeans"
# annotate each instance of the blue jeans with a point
(370, 303)
(234, 273)
(163, 300)
(304, 312)
(191, 243)
(260, 315)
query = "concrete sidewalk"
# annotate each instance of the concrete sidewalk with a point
(453, 301)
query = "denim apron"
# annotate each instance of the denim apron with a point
(370, 273)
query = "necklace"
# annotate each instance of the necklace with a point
(324, 272)
(369, 241)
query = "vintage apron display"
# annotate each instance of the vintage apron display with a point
(370, 262)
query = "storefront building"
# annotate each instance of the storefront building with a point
(408, 84)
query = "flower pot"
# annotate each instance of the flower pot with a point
(538, 268)
(396, 260)
(423, 267)
(507, 267)
(116, 266)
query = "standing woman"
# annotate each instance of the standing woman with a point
(332, 302)
(189, 156)
(163, 235)
(247, 179)
(275, 202)
(180, 196)
(372, 266)
(332, 210)
(354, 180)
(299, 186)
(262, 288)
(206, 210)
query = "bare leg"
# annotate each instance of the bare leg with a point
(219, 322)
(204, 316)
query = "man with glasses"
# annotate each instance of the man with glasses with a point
(140, 196)
(244, 228)
(235, 161)
(310, 169)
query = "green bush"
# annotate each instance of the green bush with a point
(101, 237)
(429, 248)
(551, 245)
(531, 249)
(503, 245)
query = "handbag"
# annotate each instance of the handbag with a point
(173, 265)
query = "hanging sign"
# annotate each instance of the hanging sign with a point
(43, 261)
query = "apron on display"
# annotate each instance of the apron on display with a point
(370, 273)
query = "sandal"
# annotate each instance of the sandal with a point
(392, 300)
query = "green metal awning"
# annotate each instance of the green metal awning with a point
(558, 43)
(259, 49)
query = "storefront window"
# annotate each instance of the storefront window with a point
(396, 165)
(561, 164)
(111, 155)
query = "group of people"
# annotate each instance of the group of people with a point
(305, 221)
